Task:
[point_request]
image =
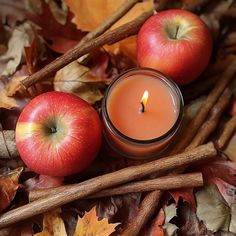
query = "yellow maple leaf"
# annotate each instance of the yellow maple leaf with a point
(90, 14)
(53, 225)
(89, 225)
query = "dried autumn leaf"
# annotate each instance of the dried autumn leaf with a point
(87, 19)
(53, 224)
(221, 173)
(156, 227)
(79, 80)
(8, 186)
(186, 194)
(89, 225)
(21, 37)
(170, 212)
(61, 37)
(43, 181)
(8, 90)
(214, 210)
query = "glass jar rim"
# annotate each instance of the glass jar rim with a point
(151, 72)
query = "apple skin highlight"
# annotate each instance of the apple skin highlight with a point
(58, 134)
(175, 42)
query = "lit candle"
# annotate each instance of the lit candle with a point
(141, 111)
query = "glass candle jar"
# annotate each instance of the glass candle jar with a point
(141, 112)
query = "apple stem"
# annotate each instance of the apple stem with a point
(53, 130)
(176, 33)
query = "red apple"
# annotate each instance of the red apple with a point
(175, 42)
(58, 134)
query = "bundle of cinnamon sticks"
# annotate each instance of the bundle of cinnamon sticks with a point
(190, 149)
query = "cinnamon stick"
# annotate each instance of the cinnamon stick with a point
(228, 131)
(213, 119)
(110, 37)
(99, 183)
(162, 183)
(146, 210)
(211, 99)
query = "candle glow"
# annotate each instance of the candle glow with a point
(144, 100)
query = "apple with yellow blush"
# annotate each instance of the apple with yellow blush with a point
(58, 134)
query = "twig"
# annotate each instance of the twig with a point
(213, 119)
(162, 183)
(110, 37)
(105, 181)
(197, 121)
(228, 131)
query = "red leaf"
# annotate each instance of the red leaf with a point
(225, 170)
(43, 181)
(99, 64)
(156, 229)
(227, 191)
(223, 174)
(186, 194)
(63, 37)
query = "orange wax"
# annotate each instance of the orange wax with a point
(123, 107)
(134, 133)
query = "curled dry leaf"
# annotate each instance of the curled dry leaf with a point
(79, 80)
(8, 186)
(86, 18)
(7, 90)
(53, 224)
(214, 210)
(22, 37)
(43, 181)
(89, 225)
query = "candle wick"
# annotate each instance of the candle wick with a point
(143, 107)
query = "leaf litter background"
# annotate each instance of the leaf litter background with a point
(32, 34)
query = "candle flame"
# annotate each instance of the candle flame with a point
(144, 100)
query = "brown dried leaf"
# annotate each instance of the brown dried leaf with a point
(53, 224)
(8, 186)
(214, 211)
(89, 225)
(21, 37)
(60, 37)
(8, 90)
(79, 80)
